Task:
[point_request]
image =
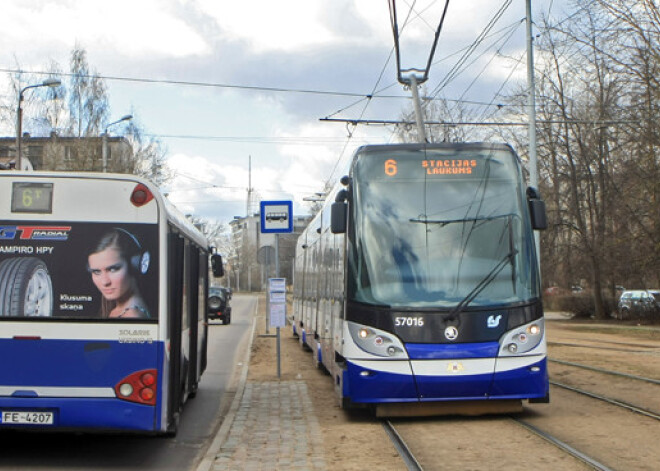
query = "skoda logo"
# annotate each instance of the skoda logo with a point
(451, 332)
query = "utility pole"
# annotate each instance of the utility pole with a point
(531, 100)
(531, 112)
(248, 203)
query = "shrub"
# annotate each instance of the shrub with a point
(582, 306)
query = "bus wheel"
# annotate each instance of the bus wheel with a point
(26, 287)
(173, 426)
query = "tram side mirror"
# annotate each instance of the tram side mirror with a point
(536, 209)
(216, 265)
(338, 216)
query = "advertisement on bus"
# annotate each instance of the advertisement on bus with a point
(78, 271)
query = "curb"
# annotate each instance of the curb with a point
(221, 435)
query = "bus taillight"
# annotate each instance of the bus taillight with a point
(141, 195)
(138, 387)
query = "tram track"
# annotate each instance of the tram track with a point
(402, 447)
(565, 447)
(413, 464)
(612, 342)
(583, 379)
(594, 462)
(604, 371)
(598, 347)
(616, 402)
(639, 409)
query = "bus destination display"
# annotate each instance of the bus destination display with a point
(435, 166)
(28, 197)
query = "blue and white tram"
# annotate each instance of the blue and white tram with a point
(419, 284)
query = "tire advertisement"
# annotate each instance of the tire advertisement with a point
(78, 270)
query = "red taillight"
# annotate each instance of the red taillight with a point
(138, 387)
(141, 195)
(148, 379)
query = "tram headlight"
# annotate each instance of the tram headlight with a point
(377, 342)
(534, 329)
(392, 350)
(522, 339)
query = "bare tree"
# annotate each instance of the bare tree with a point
(88, 100)
(439, 111)
(76, 114)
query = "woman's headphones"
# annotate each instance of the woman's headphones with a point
(140, 262)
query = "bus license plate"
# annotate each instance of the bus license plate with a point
(27, 417)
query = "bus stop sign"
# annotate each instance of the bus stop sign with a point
(276, 217)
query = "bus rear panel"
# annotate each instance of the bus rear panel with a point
(88, 343)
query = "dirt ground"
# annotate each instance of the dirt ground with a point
(353, 441)
(357, 441)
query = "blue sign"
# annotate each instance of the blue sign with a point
(276, 217)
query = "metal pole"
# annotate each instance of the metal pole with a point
(19, 116)
(531, 111)
(104, 140)
(19, 130)
(531, 100)
(418, 109)
(277, 275)
(104, 150)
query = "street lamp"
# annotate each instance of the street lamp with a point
(104, 136)
(319, 196)
(19, 114)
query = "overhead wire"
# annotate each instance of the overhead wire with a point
(456, 70)
(364, 109)
(505, 40)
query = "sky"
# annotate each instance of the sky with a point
(239, 92)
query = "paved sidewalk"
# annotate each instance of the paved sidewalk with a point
(274, 428)
(270, 425)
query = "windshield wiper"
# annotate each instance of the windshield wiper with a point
(444, 222)
(512, 248)
(488, 279)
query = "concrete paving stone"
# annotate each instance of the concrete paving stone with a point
(274, 427)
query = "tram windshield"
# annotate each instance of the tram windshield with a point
(440, 227)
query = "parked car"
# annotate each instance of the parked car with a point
(218, 304)
(638, 303)
(656, 296)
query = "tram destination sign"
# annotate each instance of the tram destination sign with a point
(276, 217)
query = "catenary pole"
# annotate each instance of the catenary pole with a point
(531, 112)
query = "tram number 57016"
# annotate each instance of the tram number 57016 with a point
(408, 321)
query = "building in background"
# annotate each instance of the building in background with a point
(67, 153)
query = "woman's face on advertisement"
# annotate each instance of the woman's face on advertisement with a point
(109, 273)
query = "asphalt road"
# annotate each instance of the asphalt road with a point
(199, 422)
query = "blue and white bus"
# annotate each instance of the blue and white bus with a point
(103, 289)
(417, 285)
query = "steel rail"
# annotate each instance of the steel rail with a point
(625, 344)
(562, 445)
(579, 345)
(609, 400)
(609, 372)
(401, 447)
